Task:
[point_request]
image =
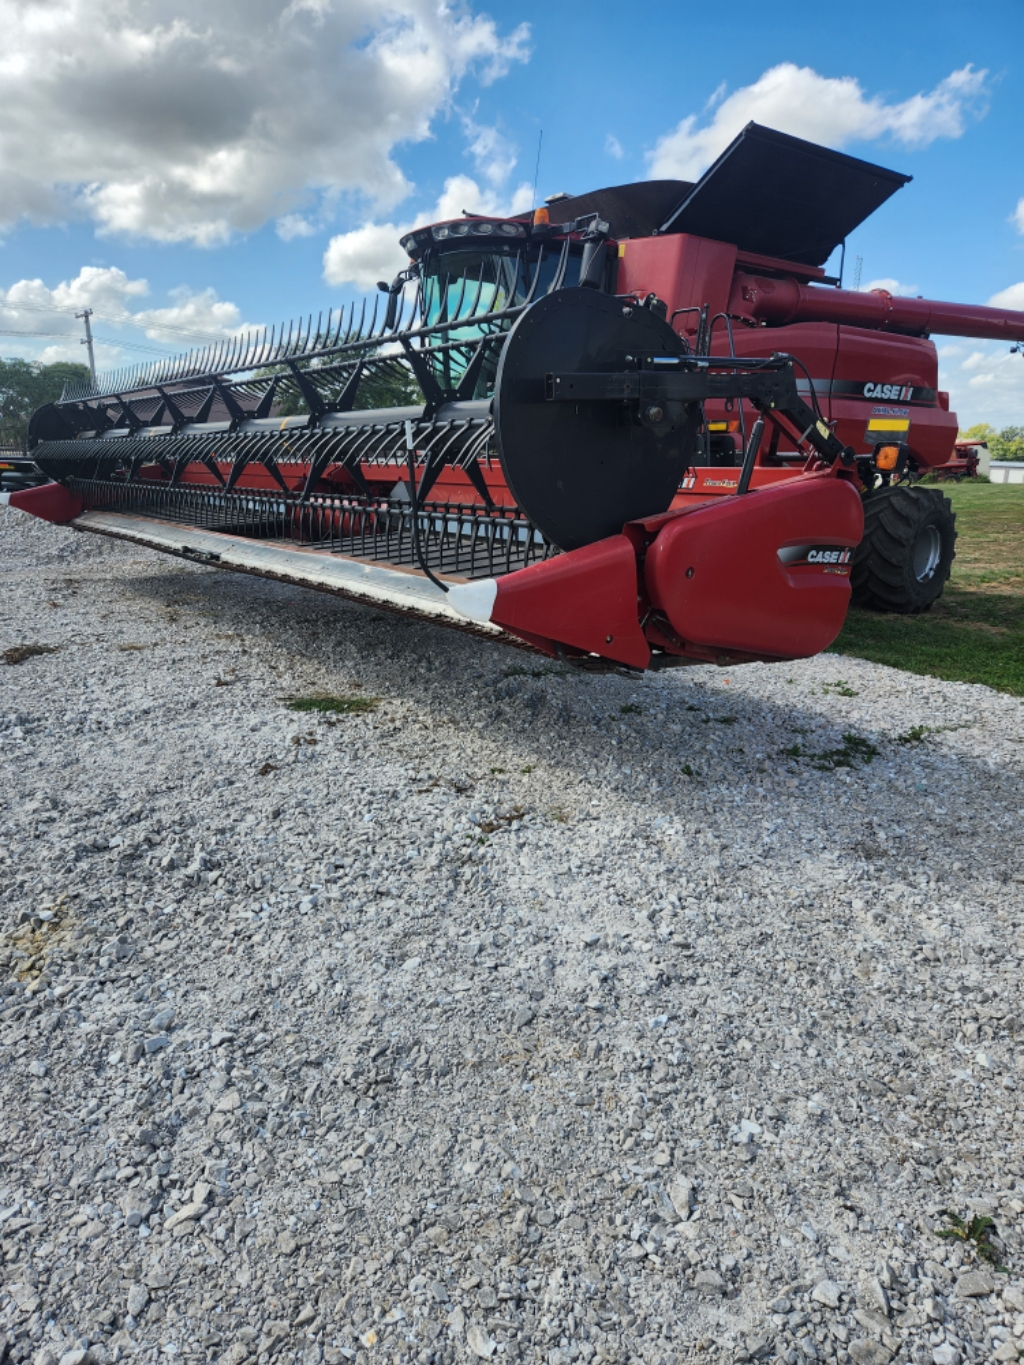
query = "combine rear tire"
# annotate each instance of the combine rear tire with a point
(907, 551)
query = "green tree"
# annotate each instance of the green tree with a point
(1007, 444)
(388, 383)
(980, 432)
(26, 385)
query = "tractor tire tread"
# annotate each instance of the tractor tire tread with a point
(882, 574)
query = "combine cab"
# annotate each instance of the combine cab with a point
(608, 431)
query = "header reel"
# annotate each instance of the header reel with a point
(510, 425)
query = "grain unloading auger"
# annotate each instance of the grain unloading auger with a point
(583, 430)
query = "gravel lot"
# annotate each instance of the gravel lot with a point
(526, 1017)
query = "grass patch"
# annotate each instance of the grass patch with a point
(854, 749)
(335, 706)
(975, 631)
(517, 671)
(630, 709)
(17, 654)
(978, 1233)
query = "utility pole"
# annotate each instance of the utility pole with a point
(85, 315)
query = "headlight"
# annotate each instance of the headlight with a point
(439, 233)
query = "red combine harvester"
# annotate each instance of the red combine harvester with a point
(964, 463)
(639, 427)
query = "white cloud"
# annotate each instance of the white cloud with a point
(371, 252)
(35, 317)
(293, 225)
(894, 287)
(1018, 215)
(493, 153)
(199, 313)
(825, 109)
(1013, 297)
(192, 121)
(985, 383)
(613, 147)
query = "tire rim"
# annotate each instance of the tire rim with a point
(927, 553)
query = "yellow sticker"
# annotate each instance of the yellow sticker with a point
(889, 424)
(823, 430)
(622, 250)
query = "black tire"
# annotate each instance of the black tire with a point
(907, 551)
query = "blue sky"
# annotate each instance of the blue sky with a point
(186, 168)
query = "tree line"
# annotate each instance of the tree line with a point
(1007, 444)
(26, 385)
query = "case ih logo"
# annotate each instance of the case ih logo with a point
(885, 393)
(890, 393)
(832, 558)
(829, 555)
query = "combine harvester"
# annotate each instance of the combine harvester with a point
(639, 427)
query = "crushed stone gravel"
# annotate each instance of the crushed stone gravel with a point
(517, 1015)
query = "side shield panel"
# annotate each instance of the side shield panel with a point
(766, 573)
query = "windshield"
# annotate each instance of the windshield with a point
(478, 283)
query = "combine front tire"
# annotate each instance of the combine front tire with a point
(907, 552)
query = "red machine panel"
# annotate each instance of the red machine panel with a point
(886, 386)
(587, 599)
(683, 271)
(767, 573)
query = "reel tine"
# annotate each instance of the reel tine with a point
(479, 288)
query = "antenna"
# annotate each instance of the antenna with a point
(858, 265)
(536, 172)
(86, 314)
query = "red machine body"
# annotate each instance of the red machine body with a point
(872, 364)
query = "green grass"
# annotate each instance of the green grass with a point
(343, 706)
(975, 631)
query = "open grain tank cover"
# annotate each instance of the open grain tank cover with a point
(777, 195)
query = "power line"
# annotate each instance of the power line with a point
(123, 319)
(107, 341)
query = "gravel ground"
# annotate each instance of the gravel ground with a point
(526, 1017)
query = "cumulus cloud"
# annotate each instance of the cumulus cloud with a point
(613, 147)
(193, 121)
(371, 252)
(493, 153)
(31, 311)
(893, 287)
(1013, 297)
(984, 383)
(1018, 215)
(833, 110)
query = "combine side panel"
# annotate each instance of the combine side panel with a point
(886, 389)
